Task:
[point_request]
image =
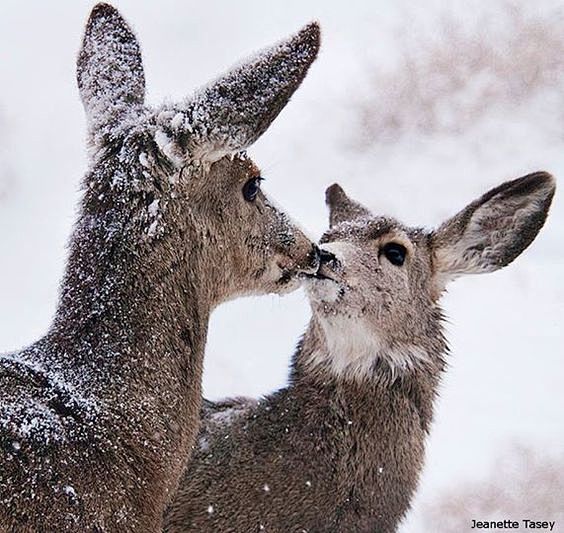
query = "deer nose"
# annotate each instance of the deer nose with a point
(325, 256)
(315, 256)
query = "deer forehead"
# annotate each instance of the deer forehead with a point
(246, 165)
(370, 234)
(236, 168)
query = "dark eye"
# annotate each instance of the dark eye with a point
(251, 189)
(395, 253)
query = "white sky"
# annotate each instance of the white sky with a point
(506, 375)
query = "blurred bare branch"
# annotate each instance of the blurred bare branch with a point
(445, 82)
(524, 485)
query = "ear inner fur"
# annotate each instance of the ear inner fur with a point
(98, 417)
(342, 446)
(495, 229)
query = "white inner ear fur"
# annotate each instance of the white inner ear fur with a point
(492, 227)
(352, 349)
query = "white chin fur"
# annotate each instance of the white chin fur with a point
(322, 290)
(352, 349)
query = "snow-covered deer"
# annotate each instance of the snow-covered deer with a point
(341, 448)
(97, 419)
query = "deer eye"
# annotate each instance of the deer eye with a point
(395, 253)
(251, 189)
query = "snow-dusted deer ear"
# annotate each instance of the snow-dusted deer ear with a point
(493, 230)
(341, 207)
(110, 73)
(231, 113)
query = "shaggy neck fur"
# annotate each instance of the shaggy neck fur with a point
(116, 382)
(327, 453)
(364, 368)
(132, 300)
(347, 350)
(350, 352)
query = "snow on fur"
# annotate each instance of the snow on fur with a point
(109, 72)
(97, 417)
(221, 118)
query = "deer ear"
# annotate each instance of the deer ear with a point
(341, 207)
(234, 111)
(110, 73)
(493, 230)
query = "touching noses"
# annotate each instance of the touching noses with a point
(326, 256)
(314, 257)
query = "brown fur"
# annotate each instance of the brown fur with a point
(342, 447)
(98, 417)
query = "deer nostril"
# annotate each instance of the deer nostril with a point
(315, 254)
(325, 256)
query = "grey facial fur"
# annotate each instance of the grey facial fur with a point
(341, 448)
(98, 418)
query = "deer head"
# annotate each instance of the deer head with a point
(178, 172)
(376, 294)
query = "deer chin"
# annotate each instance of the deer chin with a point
(287, 282)
(323, 291)
(283, 280)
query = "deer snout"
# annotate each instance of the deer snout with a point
(329, 266)
(307, 265)
(325, 256)
(313, 258)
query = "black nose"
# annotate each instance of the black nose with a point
(315, 255)
(325, 256)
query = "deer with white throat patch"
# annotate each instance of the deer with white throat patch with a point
(341, 448)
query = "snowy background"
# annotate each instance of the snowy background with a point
(415, 109)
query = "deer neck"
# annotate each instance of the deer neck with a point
(134, 308)
(368, 397)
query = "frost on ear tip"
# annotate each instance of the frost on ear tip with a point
(334, 194)
(310, 36)
(303, 47)
(231, 113)
(109, 71)
(103, 9)
(105, 14)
